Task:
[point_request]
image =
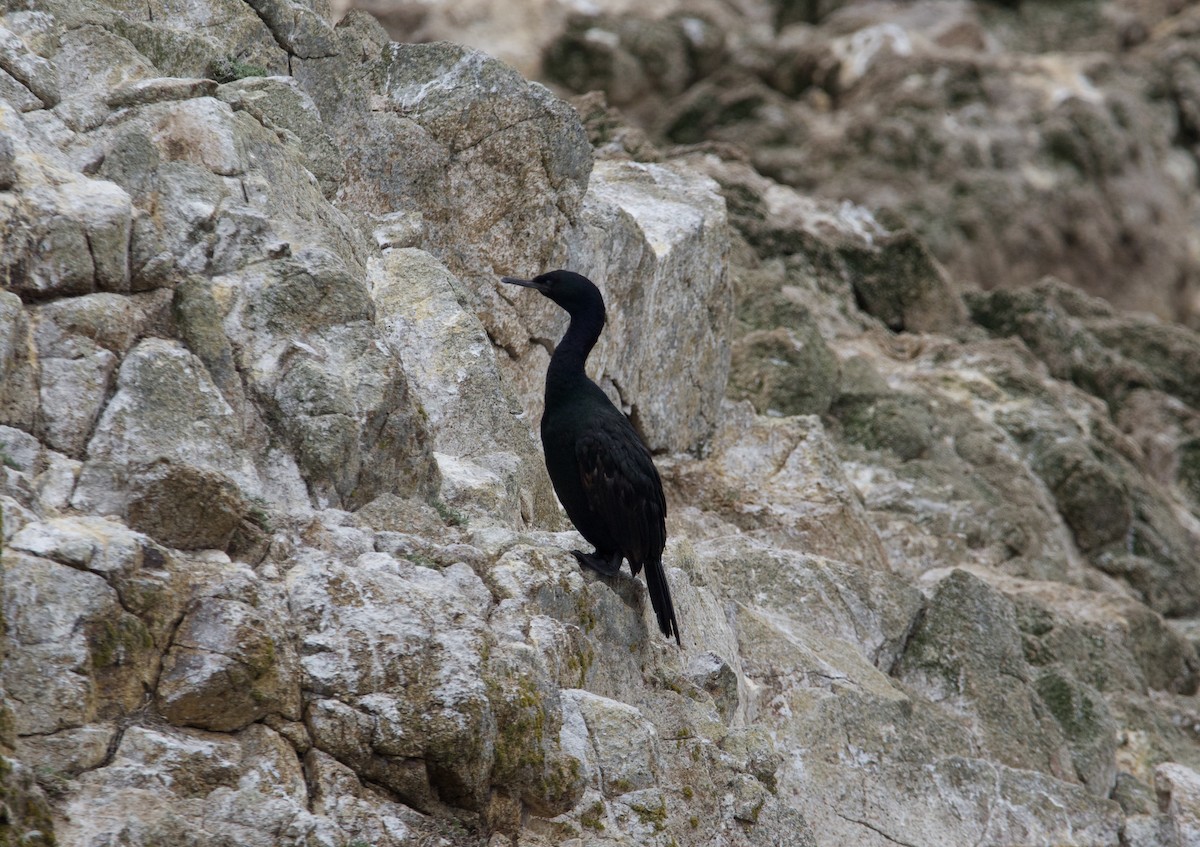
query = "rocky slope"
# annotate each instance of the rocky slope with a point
(1019, 138)
(281, 564)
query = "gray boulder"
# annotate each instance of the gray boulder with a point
(165, 408)
(967, 650)
(303, 333)
(489, 463)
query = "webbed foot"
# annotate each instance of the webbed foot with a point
(606, 564)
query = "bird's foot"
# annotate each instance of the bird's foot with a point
(607, 564)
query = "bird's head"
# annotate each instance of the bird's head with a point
(573, 292)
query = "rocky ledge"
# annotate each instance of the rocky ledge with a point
(282, 566)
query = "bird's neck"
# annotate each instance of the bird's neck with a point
(570, 356)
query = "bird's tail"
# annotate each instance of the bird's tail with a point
(660, 598)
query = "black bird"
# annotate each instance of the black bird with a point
(601, 470)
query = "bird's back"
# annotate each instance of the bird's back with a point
(606, 480)
(604, 475)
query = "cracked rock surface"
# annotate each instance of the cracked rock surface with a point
(281, 562)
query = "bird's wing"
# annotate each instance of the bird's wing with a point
(623, 489)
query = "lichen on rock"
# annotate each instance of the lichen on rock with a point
(281, 563)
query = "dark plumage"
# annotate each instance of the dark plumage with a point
(601, 470)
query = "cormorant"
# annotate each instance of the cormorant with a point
(600, 467)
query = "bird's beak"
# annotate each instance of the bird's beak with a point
(527, 283)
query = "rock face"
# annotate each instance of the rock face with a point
(1019, 139)
(281, 563)
(664, 355)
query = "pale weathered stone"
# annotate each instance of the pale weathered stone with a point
(791, 489)
(1178, 789)
(459, 387)
(79, 341)
(70, 751)
(296, 27)
(100, 545)
(213, 333)
(307, 347)
(451, 134)
(191, 787)
(8, 173)
(56, 482)
(57, 540)
(861, 605)
(280, 104)
(150, 586)
(30, 69)
(17, 378)
(625, 743)
(445, 720)
(166, 407)
(229, 666)
(221, 40)
(20, 450)
(487, 138)
(59, 262)
(91, 62)
(213, 176)
(62, 621)
(80, 238)
(17, 95)
(71, 397)
(917, 779)
(361, 811)
(157, 90)
(111, 321)
(484, 486)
